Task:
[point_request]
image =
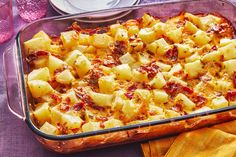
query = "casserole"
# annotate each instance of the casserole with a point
(17, 91)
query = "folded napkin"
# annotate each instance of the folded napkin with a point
(216, 141)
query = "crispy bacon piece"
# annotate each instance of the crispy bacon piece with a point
(79, 106)
(129, 95)
(151, 69)
(173, 88)
(172, 54)
(64, 107)
(62, 128)
(231, 95)
(199, 100)
(93, 77)
(234, 79)
(75, 27)
(56, 97)
(35, 55)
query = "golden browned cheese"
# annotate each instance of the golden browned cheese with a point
(127, 73)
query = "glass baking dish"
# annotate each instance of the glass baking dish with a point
(20, 101)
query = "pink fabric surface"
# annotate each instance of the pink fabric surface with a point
(17, 140)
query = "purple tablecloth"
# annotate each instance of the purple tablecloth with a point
(17, 140)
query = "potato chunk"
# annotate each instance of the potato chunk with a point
(39, 74)
(70, 121)
(55, 63)
(36, 44)
(185, 101)
(228, 51)
(123, 72)
(84, 39)
(159, 46)
(147, 35)
(201, 38)
(175, 35)
(91, 126)
(159, 28)
(190, 27)
(212, 56)
(106, 84)
(48, 128)
(219, 102)
(104, 100)
(101, 40)
(127, 58)
(143, 94)
(160, 96)
(130, 109)
(193, 69)
(183, 50)
(42, 113)
(121, 35)
(39, 88)
(69, 39)
(72, 56)
(230, 66)
(158, 81)
(65, 77)
(112, 123)
(82, 65)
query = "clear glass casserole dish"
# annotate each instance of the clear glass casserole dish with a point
(20, 101)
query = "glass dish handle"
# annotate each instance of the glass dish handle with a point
(12, 82)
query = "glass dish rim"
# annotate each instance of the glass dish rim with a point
(23, 89)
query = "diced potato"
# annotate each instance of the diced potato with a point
(130, 109)
(106, 84)
(171, 114)
(203, 109)
(39, 88)
(193, 69)
(112, 123)
(36, 44)
(143, 94)
(226, 41)
(147, 20)
(42, 113)
(104, 100)
(183, 50)
(159, 46)
(48, 128)
(177, 80)
(156, 117)
(65, 77)
(114, 28)
(39, 74)
(84, 39)
(194, 19)
(69, 39)
(212, 56)
(188, 105)
(193, 58)
(160, 96)
(127, 59)
(91, 126)
(55, 63)
(71, 121)
(144, 58)
(123, 72)
(72, 56)
(71, 96)
(201, 38)
(230, 66)
(56, 115)
(90, 49)
(219, 102)
(159, 29)
(138, 76)
(121, 35)
(175, 35)
(228, 51)
(118, 100)
(136, 45)
(42, 34)
(82, 65)
(220, 85)
(101, 40)
(190, 27)
(147, 35)
(158, 81)
(163, 66)
(133, 30)
(175, 69)
(56, 49)
(81, 48)
(209, 20)
(40, 62)
(156, 109)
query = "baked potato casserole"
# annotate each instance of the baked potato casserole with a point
(131, 72)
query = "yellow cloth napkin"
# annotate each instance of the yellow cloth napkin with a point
(217, 141)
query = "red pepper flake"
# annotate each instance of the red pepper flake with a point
(129, 95)
(172, 54)
(231, 95)
(234, 79)
(79, 106)
(151, 69)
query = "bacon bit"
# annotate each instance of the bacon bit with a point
(35, 55)
(178, 107)
(205, 78)
(79, 106)
(173, 88)
(147, 86)
(93, 77)
(67, 100)
(151, 69)
(120, 47)
(75, 130)
(172, 54)
(64, 107)
(109, 62)
(129, 95)
(60, 69)
(199, 100)
(132, 88)
(74, 26)
(102, 125)
(62, 128)
(214, 47)
(100, 118)
(231, 95)
(234, 79)
(56, 97)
